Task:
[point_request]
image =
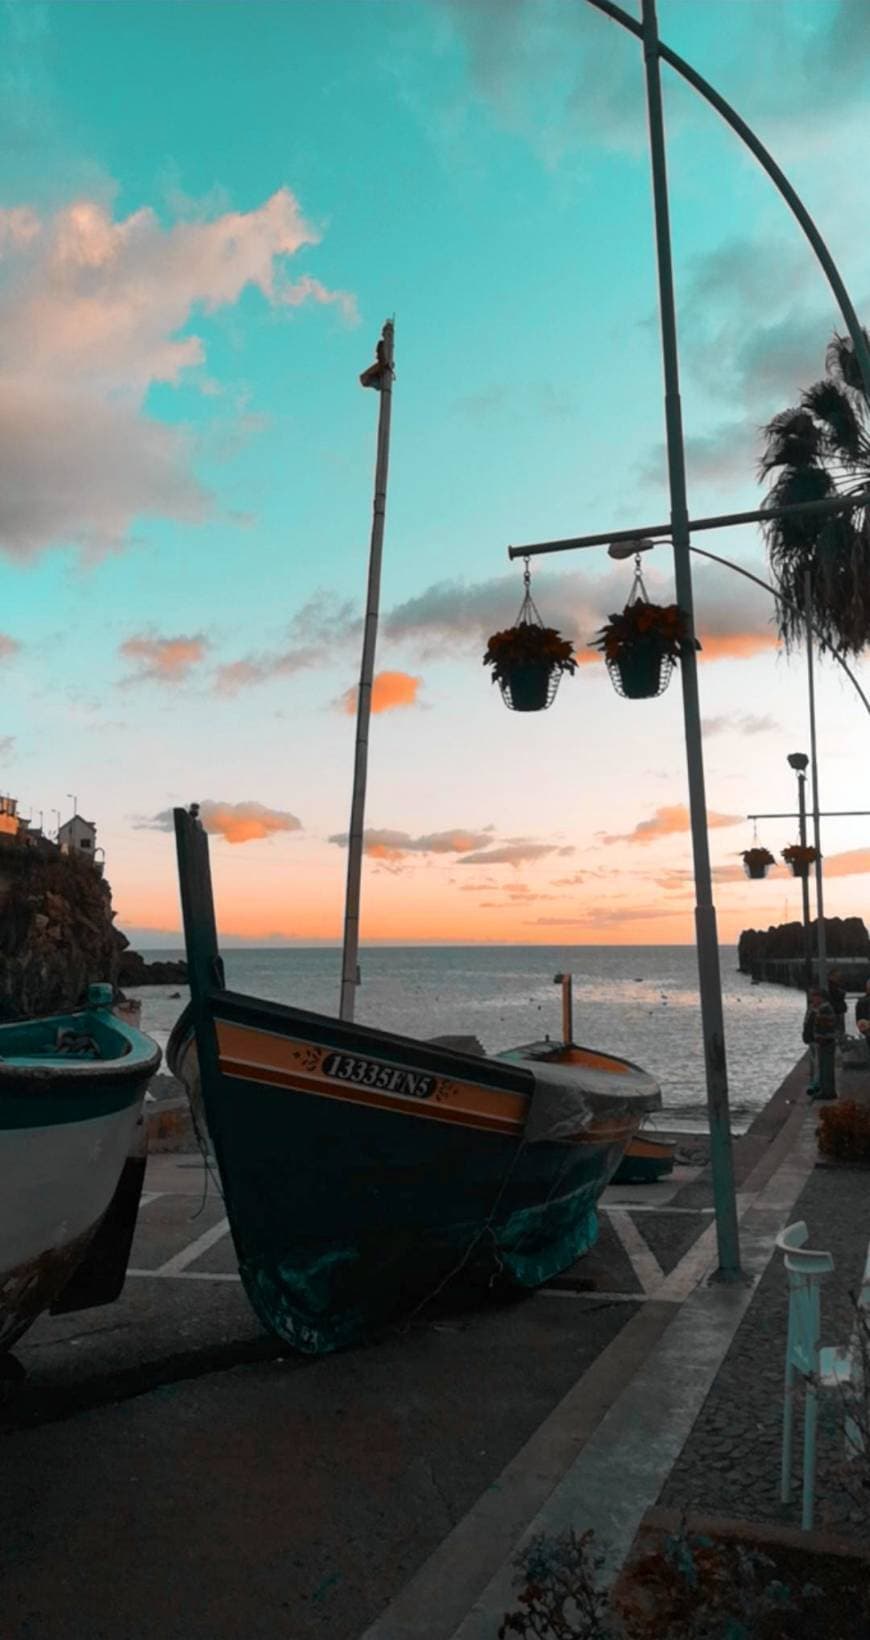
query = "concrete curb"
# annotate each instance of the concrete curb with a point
(622, 1426)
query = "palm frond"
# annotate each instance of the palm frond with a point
(842, 366)
(793, 440)
(841, 428)
(819, 450)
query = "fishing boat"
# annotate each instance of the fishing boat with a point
(646, 1159)
(72, 1157)
(361, 1169)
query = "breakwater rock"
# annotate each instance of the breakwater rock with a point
(844, 937)
(134, 970)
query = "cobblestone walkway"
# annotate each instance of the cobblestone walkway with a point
(730, 1463)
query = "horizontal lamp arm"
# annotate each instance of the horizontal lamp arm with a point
(761, 515)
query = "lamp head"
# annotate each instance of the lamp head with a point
(798, 760)
(627, 549)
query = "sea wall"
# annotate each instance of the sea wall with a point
(776, 954)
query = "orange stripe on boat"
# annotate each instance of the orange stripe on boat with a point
(286, 1062)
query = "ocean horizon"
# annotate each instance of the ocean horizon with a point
(640, 1001)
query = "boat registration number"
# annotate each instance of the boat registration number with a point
(368, 1073)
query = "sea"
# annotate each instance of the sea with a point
(638, 1001)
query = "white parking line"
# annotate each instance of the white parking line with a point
(187, 1275)
(193, 1250)
(641, 1256)
(150, 1196)
(591, 1297)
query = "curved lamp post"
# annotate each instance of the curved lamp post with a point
(628, 549)
(767, 161)
(679, 531)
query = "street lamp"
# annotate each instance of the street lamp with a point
(798, 761)
(679, 529)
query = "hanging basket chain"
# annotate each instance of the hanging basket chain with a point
(529, 614)
(638, 593)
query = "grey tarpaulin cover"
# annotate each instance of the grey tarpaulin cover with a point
(567, 1097)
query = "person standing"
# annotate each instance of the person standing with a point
(820, 1034)
(837, 999)
(862, 1016)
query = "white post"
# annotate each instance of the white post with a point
(379, 376)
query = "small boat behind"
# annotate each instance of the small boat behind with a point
(72, 1156)
(646, 1160)
(362, 1170)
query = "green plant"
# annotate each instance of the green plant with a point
(689, 1587)
(843, 1131)
(640, 623)
(757, 857)
(528, 644)
(559, 1594)
(799, 854)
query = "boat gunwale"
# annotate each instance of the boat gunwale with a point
(322, 1029)
(24, 1075)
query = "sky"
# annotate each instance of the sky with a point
(207, 211)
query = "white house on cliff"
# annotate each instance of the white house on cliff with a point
(77, 836)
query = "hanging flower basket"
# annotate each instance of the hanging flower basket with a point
(528, 658)
(799, 858)
(642, 646)
(757, 862)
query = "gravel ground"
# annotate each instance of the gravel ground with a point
(730, 1464)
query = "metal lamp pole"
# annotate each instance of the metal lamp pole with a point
(798, 761)
(380, 376)
(709, 979)
(814, 774)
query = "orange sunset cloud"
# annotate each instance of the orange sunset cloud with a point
(390, 690)
(667, 821)
(235, 822)
(163, 660)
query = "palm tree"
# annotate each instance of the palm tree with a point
(818, 450)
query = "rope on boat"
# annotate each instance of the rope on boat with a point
(485, 1229)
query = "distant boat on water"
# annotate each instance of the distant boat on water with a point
(361, 1170)
(72, 1158)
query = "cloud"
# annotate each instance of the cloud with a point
(452, 617)
(8, 647)
(163, 660)
(539, 400)
(666, 822)
(729, 451)
(607, 916)
(394, 846)
(7, 744)
(325, 626)
(390, 690)
(91, 315)
(744, 724)
(512, 50)
(851, 863)
(513, 854)
(236, 822)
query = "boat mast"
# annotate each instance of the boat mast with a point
(380, 377)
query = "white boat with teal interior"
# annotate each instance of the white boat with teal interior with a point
(71, 1094)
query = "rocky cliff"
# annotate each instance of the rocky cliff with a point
(57, 935)
(844, 937)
